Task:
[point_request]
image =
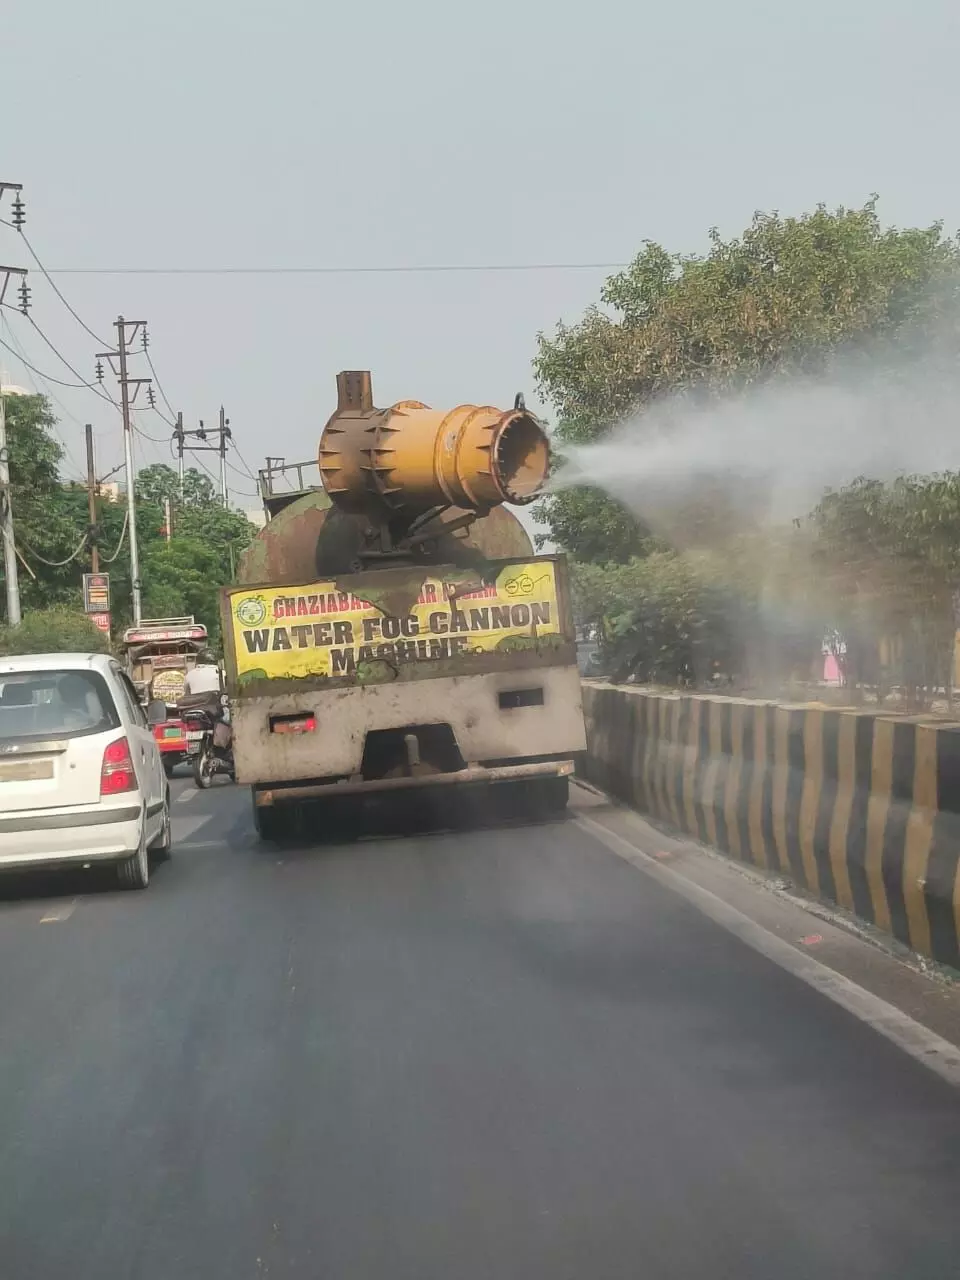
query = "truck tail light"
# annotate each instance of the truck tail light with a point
(117, 773)
(298, 723)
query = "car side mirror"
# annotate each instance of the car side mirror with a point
(156, 712)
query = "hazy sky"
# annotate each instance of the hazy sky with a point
(294, 134)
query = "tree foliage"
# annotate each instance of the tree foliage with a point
(57, 630)
(748, 616)
(159, 482)
(179, 577)
(887, 558)
(785, 297)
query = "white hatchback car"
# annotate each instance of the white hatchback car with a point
(81, 778)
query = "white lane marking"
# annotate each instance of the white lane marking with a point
(185, 796)
(185, 827)
(63, 912)
(919, 1042)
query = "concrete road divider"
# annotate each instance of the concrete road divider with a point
(858, 808)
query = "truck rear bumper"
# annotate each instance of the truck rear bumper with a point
(472, 776)
(515, 715)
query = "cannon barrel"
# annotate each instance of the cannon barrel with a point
(393, 465)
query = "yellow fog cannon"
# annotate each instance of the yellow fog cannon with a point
(409, 474)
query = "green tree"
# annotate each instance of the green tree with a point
(50, 521)
(52, 530)
(786, 296)
(57, 630)
(888, 560)
(159, 482)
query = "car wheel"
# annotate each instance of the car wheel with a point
(161, 850)
(134, 872)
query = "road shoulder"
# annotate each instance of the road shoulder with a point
(898, 993)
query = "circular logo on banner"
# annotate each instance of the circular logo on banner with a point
(251, 611)
(168, 686)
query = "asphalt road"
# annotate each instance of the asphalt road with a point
(484, 1055)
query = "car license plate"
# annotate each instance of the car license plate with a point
(172, 733)
(26, 771)
(195, 735)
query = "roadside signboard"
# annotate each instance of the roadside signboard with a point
(101, 621)
(96, 595)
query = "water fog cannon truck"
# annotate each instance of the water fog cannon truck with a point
(393, 629)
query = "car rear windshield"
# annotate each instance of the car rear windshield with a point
(55, 704)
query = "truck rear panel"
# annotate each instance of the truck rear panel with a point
(330, 680)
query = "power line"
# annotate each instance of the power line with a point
(401, 269)
(147, 436)
(166, 400)
(93, 334)
(46, 274)
(246, 464)
(123, 533)
(55, 564)
(244, 475)
(21, 356)
(90, 386)
(9, 542)
(201, 463)
(47, 377)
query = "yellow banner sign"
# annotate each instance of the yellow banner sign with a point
(318, 630)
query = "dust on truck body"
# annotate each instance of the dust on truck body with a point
(396, 630)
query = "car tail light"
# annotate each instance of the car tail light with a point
(117, 772)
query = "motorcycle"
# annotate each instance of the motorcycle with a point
(209, 743)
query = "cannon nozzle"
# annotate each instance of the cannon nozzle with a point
(398, 463)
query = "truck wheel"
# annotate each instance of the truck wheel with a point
(550, 795)
(270, 823)
(169, 764)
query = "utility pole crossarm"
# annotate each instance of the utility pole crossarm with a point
(222, 433)
(5, 274)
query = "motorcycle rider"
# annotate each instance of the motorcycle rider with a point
(204, 677)
(202, 690)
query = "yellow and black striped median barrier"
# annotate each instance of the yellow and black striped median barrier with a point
(858, 808)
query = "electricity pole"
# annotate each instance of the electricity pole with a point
(92, 499)
(10, 574)
(223, 434)
(127, 331)
(128, 464)
(178, 436)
